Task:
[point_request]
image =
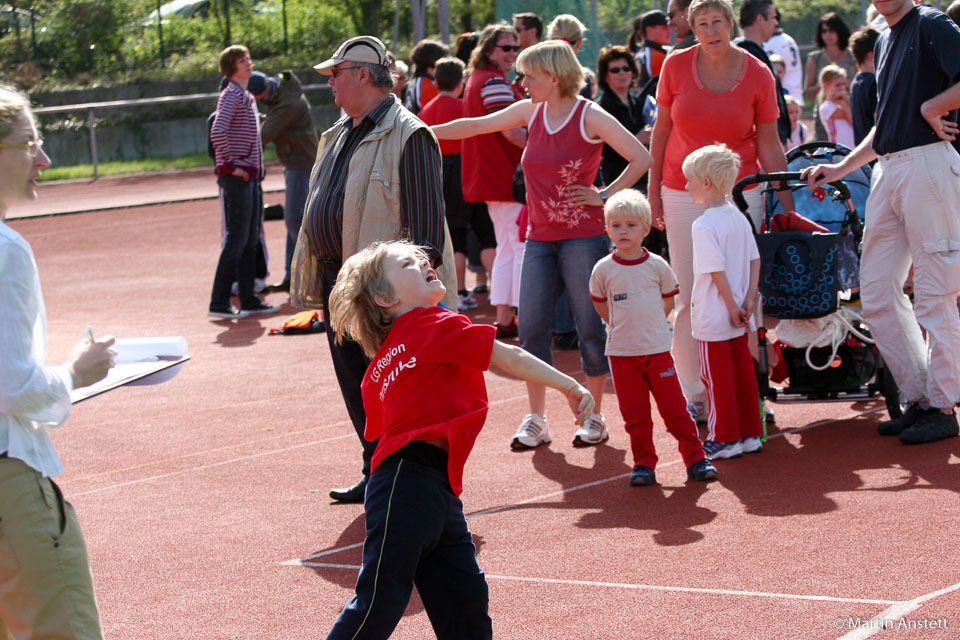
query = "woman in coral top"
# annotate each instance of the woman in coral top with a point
(565, 231)
(711, 93)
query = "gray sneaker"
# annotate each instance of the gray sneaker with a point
(932, 426)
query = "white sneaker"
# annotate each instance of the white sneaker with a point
(259, 284)
(532, 433)
(751, 445)
(593, 431)
(698, 411)
(466, 301)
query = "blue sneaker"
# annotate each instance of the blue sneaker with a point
(642, 476)
(721, 450)
(702, 470)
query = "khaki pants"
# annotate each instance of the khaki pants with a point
(46, 590)
(913, 217)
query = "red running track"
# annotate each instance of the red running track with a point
(204, 500)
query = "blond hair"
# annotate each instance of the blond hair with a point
(628, 203)
(716, 163)
(354, 312)
(12, 105)
(555, 58)
(723, 5)
(566, 27)
(827, 75)
(791, 100)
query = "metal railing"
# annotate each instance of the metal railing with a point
(91, 108)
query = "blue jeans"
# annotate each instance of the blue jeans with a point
(242, 211)
(547, 268)
(416, 535)
(295, 197)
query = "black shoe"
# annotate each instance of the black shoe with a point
(898, 425)
(351, 494)
(934, 425)
(227, 313)
(282, 286)
(262, 308)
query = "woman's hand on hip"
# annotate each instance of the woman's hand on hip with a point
(582, 195)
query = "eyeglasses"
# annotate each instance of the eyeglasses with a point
(508, 47)
(336, 72)
(32, 146)
(619, 69)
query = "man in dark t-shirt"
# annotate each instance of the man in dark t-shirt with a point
(758, 19)
(912, 216)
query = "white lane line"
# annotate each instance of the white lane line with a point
(556, 494)
(888, 619)
(211, 465)
(653, 587)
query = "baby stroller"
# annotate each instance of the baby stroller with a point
(826, 351)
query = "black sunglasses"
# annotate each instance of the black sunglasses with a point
(619, 69)
(508, 47)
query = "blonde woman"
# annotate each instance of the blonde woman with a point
(569, 29)
(565, 235)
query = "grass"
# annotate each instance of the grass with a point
(144, 165)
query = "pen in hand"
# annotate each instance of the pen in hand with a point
(89, 332)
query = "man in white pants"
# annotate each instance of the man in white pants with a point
(912, 216)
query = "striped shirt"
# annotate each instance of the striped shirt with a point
(235, 133)
(497, 94)
(421, 190)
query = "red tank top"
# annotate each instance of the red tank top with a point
(552, 162)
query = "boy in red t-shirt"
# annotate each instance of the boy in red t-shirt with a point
(426, 401)
(460, 214)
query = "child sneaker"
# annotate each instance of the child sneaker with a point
(751, 445)
(532, 433)
(642, 476)
(721, 450)
(593, 431)
(702, 470)
(466, 301)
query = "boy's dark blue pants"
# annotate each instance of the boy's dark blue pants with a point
(416, 534)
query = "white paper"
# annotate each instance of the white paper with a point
(140, 361)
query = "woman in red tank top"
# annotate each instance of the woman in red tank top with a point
(565, 232)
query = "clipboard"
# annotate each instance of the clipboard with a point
(139, 361)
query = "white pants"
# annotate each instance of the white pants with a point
(505, 279)
(912, 217)
(679, 213)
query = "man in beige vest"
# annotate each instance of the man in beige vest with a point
(377, 177)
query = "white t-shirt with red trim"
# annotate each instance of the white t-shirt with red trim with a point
(722, 241)
(426, 383)
(634, 291)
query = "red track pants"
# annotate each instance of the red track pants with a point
(727, 370)
(635, 378)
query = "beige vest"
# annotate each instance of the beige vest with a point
(371, 205)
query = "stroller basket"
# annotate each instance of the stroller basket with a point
(798, 269)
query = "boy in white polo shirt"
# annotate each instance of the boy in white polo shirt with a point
(633, 291)
(726, 270)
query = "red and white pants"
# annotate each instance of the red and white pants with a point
(726, 368)
(635, 378)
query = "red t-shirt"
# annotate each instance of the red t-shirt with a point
(426, 383)
(701, 117)
(553, 161)
(489, 160)
(440, 110)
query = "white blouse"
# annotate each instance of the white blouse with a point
(33, 398)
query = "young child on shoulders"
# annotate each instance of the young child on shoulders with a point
(834, 105)
(726, 268)
(426, 401)
(633, 290)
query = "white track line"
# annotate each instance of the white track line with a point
(655, 587)
(211, 465)
(893, 614)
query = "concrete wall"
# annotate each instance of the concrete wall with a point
(148, 139)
